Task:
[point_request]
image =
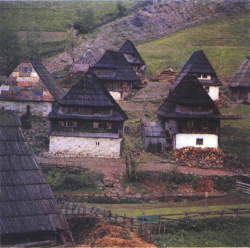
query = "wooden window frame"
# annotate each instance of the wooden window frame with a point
(190, 126)
(199, 142)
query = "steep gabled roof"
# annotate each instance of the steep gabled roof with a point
(45, 77)
(89, 92)
(188, 92)
(241, 78)
(199, 64)
(129, 47)
(116, 61)
(27, 202)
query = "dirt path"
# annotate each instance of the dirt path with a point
(115, 167)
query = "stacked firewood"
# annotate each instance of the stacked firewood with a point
(165, 75)
(205, 158)
(222, 102)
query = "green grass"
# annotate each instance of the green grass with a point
(225, 42)
(52, 16)
(156, 208)
(216, 232)
(235, 134)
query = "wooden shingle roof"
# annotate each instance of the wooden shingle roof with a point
(27, 202)
(116, 61)
(129, 48)
(188, 92)
(89, 92)
(199, 64)
(241, 78)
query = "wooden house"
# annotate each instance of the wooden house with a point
(28, 208)
(239, 84)
(189, 116)
(116, 74)
(30, 87)
(199, 65)
(132, 56)
(89, 58)
(87, 121)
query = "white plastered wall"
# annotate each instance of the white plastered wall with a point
(84, 147)
(116, 95)
(36, 108)
(214, 92)
(186, 139)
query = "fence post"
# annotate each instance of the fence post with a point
(237, 215)
(159, 222)
(163, 243)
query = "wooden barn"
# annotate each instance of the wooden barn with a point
(239, 84)
(189, 116)
(153, 137)
(199, 65)
(87, 122)
(132, 56)
(89, 58)
(28, 208)
(31, 88)
(116, 74)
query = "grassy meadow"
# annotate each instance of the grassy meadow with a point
(225, 42)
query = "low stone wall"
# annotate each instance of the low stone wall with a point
(36, 108)
(84, 147)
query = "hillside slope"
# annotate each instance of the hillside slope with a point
(225, 42)
(153, 22)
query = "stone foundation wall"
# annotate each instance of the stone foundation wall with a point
(36, 108)
(84, 147)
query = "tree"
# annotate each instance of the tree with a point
(10, 50)
(130, 161)
(73, 41)
(121, 8)
(85, 20)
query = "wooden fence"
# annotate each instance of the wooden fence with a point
(244, 187)
(149, 229)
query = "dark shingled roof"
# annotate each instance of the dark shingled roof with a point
(116, 61)
(129, 47)
(89, 92)
(27, 202)
(199, 64)
(188, 92)
(52, 86)
(242, 76)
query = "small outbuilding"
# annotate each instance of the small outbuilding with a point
(30, 87)
(28, 209)
(239, 84)
(153, 137)
(116, 74)
(199, 65)
(87, 122)
(132, 56)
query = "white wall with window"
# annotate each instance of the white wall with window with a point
(213, 92)
(196, 140)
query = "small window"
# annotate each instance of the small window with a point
(198, 75)
(207, 88)
(97, 143)
(204, 124)
(95, 125)
(204, 75)
(67, 123)
(199, 142)
(190, 123)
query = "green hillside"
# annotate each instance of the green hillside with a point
(224, 41)
(52, 16)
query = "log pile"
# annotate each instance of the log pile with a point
(165, 75)
(205, 158)
(222, 102)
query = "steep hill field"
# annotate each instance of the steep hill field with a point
(225, 42)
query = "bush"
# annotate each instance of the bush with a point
(64, 180)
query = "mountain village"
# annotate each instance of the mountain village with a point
(98, 157)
